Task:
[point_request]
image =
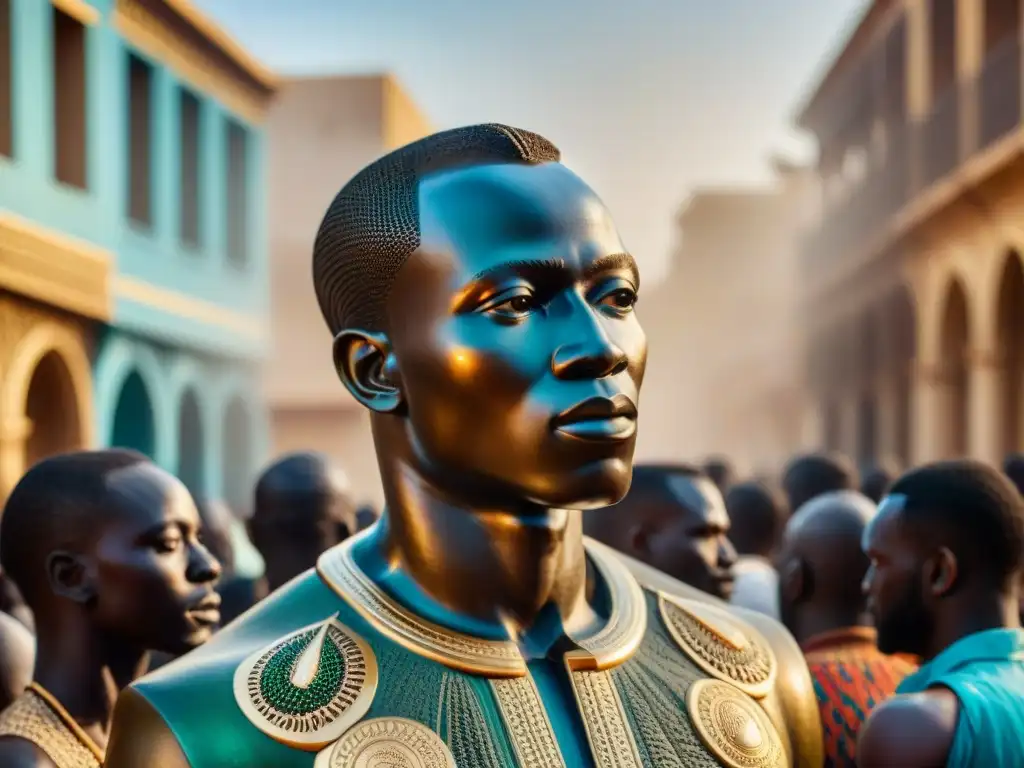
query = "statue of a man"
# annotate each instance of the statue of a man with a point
(481, 304)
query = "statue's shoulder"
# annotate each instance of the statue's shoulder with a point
(749, 650)
(224, 686)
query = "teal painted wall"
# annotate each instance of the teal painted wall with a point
(173, 359)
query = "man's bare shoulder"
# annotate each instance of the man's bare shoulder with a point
(910, 731)
(16, 752)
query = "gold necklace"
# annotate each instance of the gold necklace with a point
(70, 723)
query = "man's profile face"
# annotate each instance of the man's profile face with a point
(894, 584)
(517, 347)
(694, 546)
(155, 580)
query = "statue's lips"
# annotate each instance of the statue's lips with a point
(598, 419)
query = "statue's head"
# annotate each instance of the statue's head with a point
(481, 303)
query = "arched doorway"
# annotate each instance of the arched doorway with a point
(191, 445)
(52, 410)
(238, 454)
(134, 421)
(955, 381)
(1010, 340)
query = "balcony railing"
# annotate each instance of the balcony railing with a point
(999, 93)
(940, 138)
(965, 120)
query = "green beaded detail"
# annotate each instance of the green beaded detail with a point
(280, 693)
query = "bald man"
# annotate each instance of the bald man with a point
(821, 568)
(303, 508)
(673, 519)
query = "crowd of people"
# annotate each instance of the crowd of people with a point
(903, 592)
(891, 584)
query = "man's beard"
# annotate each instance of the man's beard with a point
(907, 625)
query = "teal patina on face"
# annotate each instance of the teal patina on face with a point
(281, 693)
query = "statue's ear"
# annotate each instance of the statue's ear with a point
(367, 366)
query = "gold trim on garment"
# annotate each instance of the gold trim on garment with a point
(615, 642)
(719, 644)
(387, 741)
(526, 723)
(608, 731)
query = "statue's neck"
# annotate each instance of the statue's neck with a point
(497, 573)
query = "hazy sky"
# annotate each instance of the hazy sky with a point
(648, 99)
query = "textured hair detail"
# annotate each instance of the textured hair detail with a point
(372, 226)
(813, 474)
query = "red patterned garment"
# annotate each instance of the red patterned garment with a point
(850, 677)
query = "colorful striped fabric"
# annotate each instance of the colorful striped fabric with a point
(850, 678)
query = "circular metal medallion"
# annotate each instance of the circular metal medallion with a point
(733, 727)
(387, 742)
(720, 645)
(306, 689)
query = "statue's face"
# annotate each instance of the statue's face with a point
(516, 345)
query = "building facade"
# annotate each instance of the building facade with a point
(133, 261)
(914, 287)
(322, 131)
(724, 370)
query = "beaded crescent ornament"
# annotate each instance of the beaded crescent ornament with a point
(309, 687)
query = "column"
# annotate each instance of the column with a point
(983, 408)
(848, 423)
(929, 424)
(13, 435)
(32, 85)
(886, 415)
(970, 52)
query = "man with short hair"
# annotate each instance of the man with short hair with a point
(758, 514)
(877, 478)
(721, 472)
(674, 519)
(812, 474)
(105, 548)
(302, 508)
(821, 567)
(946, 552)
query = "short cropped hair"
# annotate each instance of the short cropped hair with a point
(972, 509)
(56, 505)
(372, 226)
(758, 513)
(813, 474)
(721, 472)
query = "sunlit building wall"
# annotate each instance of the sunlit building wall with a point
(914, 293)
(133, 267)
(322, 131)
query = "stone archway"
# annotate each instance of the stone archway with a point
(191, 444)
(954, 379)
(134, 418)
(238, 459)
(51, 411)
(46, 400)
(1010, 346)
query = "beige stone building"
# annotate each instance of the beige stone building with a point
(321, 132)
(725, 365)
(914, 288)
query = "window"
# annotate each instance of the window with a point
(6, 119)
(69, 100)
(140, 140)
(237, 240)
(190, 162)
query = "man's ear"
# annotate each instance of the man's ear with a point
(942, 572)
(793, 581)
(366, 365)
(69, 577)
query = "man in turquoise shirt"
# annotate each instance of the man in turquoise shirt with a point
(946, 553)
